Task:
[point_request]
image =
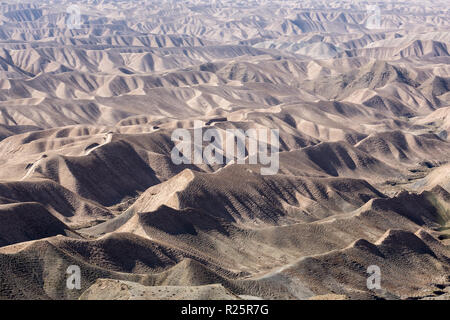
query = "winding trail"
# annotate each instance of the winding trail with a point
(107, 139)
(31, 169)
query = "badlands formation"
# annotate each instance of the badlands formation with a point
(359, 92)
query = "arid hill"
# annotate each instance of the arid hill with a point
(360, 100)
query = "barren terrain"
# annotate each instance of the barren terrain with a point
(87, 179)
